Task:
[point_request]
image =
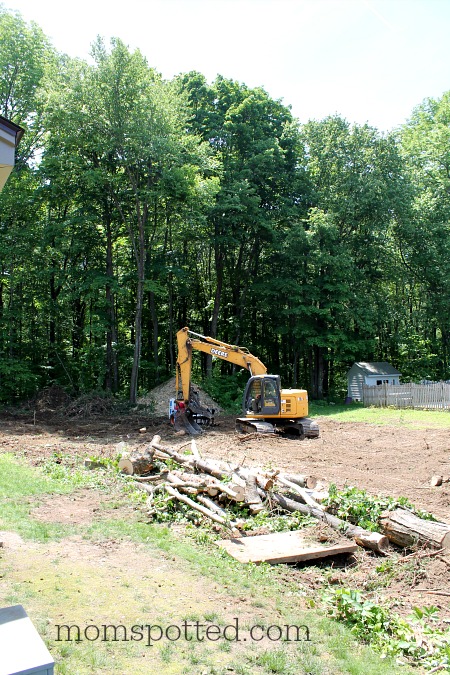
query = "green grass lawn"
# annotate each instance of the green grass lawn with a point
(355, 412)
(56, 587)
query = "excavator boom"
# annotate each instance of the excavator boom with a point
(188, 340)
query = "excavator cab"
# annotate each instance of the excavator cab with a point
(262, 396)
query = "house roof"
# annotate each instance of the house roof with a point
(376, 368)
(12, 129)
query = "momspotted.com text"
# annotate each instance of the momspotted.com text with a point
(191, 631)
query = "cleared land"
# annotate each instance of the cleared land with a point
(396, 460)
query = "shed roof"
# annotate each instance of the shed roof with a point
(376, 368)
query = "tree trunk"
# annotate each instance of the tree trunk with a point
(155, 331)
(112, 368)
(405, 529)
(217, 302)
(137, 341)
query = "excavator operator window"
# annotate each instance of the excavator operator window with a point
(253, 403)
(270, 393)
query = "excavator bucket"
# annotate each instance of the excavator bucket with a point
(193, 417)
(183, 421)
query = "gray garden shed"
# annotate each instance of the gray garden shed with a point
(371, 374)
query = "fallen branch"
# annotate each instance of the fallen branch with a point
(300, 491)
(372, 540)
(430, 592)
(212, 506)
(421, 554)
(202, 509)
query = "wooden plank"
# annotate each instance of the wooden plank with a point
(280, 547)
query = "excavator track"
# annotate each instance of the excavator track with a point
(247, 425)
(304, 427)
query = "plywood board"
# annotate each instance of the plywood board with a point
(280, 547)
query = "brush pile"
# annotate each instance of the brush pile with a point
(211, 486)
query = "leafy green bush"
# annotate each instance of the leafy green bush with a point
(362, 509)
(17, 380)
(417, 640)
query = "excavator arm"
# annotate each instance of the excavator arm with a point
(188, 341)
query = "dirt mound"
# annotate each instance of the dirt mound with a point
(160, 396)
(51, 398)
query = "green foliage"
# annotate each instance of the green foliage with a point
(158, 203)
(226, 390)
(360, 508)
(417, 641)
(17, 380)
(275, 523)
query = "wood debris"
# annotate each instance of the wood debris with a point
(217, 489)
(280, 547)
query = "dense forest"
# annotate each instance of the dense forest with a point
(140, 205)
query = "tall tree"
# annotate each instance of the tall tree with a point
(356, 191)
(256, 142)
(424, 238)
(26, 63)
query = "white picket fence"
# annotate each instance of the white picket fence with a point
(434, 396)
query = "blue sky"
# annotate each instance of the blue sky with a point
(368, 60)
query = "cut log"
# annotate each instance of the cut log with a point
(376, 542)
(234, 491)
(301, 480)
(405, 529)
(136, 463)
(436, 481)
(252, 497)
(264, 481)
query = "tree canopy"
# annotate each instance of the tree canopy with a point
(140, 205)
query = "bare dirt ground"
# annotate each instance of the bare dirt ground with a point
(384, 460)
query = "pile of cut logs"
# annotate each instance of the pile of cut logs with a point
(215, 484)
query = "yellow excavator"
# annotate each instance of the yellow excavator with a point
(266, 407)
